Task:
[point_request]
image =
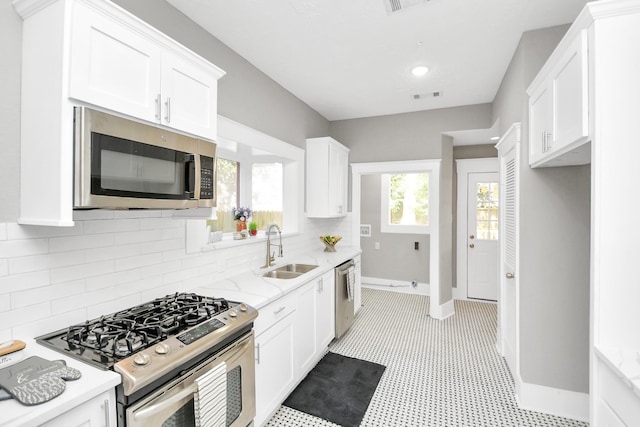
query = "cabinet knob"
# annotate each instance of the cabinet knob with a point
(472, 246)
(510, 275)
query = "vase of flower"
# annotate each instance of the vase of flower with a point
(241, 215)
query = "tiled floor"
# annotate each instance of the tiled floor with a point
(439, 373)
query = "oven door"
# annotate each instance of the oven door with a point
(178, 403)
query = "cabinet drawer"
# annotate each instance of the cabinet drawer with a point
(273, 312)
(617, 396)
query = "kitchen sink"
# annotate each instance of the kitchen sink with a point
(297, 268)
(289, 271)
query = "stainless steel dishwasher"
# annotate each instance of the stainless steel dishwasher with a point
(345, 292)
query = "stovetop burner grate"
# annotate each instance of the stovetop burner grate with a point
(111, 338)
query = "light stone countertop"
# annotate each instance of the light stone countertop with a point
(257, 291)
(92, 383)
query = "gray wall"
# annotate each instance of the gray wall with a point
(554, 240)
(411, 136)
(407, 136)
(396, 259)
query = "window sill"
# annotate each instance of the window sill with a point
(229, 242)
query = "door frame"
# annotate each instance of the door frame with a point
(463, 168)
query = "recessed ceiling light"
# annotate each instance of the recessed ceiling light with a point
(420, 70)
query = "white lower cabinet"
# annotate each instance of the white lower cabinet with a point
(315, 321)
(292, 334)
(97, 412)
(275, 362)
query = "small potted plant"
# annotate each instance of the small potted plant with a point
(253, 228)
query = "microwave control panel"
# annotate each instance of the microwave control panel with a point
(206, 177)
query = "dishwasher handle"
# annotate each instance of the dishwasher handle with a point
(343, 269)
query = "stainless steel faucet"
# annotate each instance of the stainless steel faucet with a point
(271, 258)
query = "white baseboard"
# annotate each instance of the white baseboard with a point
(553, 401)
(395, 285)
(441, 311)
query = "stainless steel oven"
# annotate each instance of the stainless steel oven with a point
(230, 401)
(185, 360)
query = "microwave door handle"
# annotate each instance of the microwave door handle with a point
(190, 176)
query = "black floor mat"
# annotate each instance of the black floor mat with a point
(338, 389)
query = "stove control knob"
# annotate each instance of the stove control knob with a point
(233, 313)
(162, 348)
(141, 359)
(243, 307)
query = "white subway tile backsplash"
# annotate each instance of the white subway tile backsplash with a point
(18, 282)
(20, 316)
(52, 277)
(27, 264)
(75, 272)
(111, 252)
(111, 226)
(92, 214)
(4, 267)
(17, 231)
(49, 324)
(113, 305)
(138, 261)
(46, 293)
(112, 279)
(16, 248)
(138, 236)
(71, 302)
(64, 244)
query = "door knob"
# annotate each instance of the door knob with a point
(510, 275)
(472, 246)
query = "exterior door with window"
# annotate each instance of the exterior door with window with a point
(482, 239)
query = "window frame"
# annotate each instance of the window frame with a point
(385, 222)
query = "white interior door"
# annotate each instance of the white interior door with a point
(508, 151)
(482, 239)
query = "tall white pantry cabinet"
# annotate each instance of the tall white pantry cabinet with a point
(608, 32)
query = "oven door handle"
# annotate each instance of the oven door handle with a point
(160, 406)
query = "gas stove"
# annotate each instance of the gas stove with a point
(151, 341)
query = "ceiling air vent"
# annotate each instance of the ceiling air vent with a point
(426, 95)
(398, 5)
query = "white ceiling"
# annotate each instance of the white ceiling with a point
(350, 58)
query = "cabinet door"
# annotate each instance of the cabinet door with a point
(540, 122)
(113, 67)
(325, 311)
(306, 325)
(338, 175)
(97, 412)
(189, 95)
(275, 369)
(570, 95)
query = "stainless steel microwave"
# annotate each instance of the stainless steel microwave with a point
(121, 163)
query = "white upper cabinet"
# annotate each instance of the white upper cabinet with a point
(559, 107)
(94, 53)
(115, 66)
(327, 168)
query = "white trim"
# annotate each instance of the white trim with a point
(359, 169)
(553, 401)
(441, 311)
(463, 168)
(401, 286)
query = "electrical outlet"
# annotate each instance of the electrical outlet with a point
(377, 245)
